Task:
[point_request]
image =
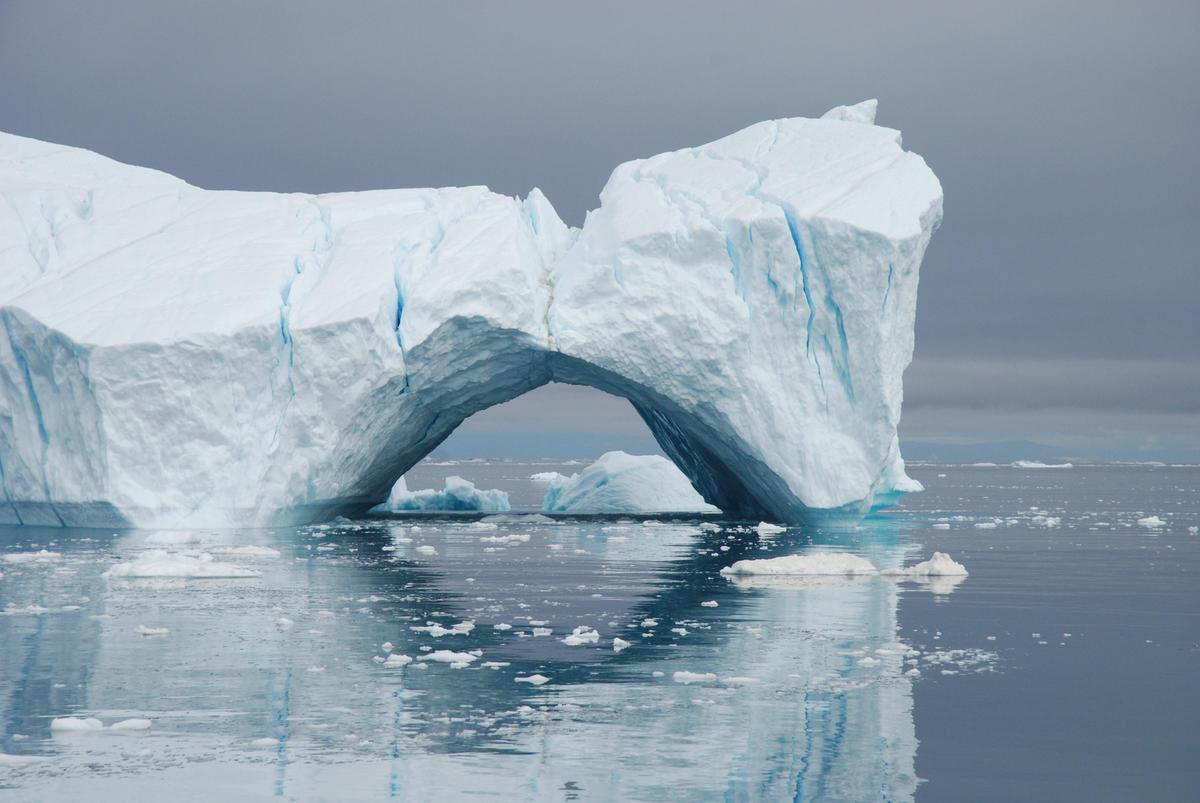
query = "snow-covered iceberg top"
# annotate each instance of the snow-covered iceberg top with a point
(172, 356)
(624, 483)
(459, 494)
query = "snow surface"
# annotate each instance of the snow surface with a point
(459, 494)
(178, 357)
(624, 483)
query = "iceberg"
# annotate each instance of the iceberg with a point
(178, 357)
(624, 483)
(459, 494)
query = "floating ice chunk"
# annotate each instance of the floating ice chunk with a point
(426, 549)
(985, 525)
(711, 603)
(740, 680)
(437, 631)
(459, 494)
(41, 556)
(1039, 464)
(812, 564)
(620, 644)
(135, 724)
(142, 630)
(581, 635)
(941, 525)
(284, 623)
(533, 680)
(265, 743)
(623, 483)
(514, 538)
(940, 565)
(545, 476)
(518, 518)
(396, 660)
(248, 551)
(767, 528)
(1151, 522)
(687, 678)
(502, 626)
(76, 724)
(1194, 530)
(450, 657)
(161, 563)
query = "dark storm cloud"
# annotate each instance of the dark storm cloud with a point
(1064, 133)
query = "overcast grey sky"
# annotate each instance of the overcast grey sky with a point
(1060, 301)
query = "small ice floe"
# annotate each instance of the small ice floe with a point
(942, 525)
(985, 525)
(41, 556)
(740, 680)
(649, 623)
(134, 724)
(10, 760)
(581, 635)
(940, 565)
(688, 678)
(396, 660)
(161, 563)
(1039, 464)
(265, 743)
(620, 644)
(458, 494)
(1151, 522)
(496, 664)
(247, 551)
(437, 631)
(533, 680)
(767, 528)
(426, 549)
(1193, 530)
(711, 603)
(285, 624)
(812, 564)
(451, 657)
(542, 631)
(142, 630)
(507, 540)
(502, 626)
(76, 724)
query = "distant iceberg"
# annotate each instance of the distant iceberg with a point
(459, 494)
(624, 483)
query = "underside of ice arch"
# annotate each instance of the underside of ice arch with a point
(172, 356)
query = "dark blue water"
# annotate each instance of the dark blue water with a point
(1063, 668)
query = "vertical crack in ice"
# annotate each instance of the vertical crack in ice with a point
(44, 435)
(888, 290)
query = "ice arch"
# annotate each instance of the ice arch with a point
(171, 356)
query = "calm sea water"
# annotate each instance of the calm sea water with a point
(1065, 667)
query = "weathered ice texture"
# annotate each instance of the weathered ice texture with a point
(172, 356)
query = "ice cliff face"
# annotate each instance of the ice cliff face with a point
(172, 356)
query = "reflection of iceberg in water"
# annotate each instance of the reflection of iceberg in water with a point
(810, 701)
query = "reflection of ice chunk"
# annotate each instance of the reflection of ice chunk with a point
(1039, 464)
(813, 564)
(161, 563)
(459, 494)
(625, 483)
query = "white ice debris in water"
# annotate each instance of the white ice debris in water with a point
(450, 657)
(437, 631)
(619, 644)
(396, 660)
(135, 724)
(693, 677)
(142, 630)
(581, 635)
(767, 528)
(248, 551)
(1151, 522)
(426, 549)
(619, 482)
(514, 538)
(459, 494)
(76, 724)
(545, 476)
(265, 743)
(161, 563)
(533, 680)
(712, 603)
(940, 565)
(812, 564)
(41, 556)
(1039, 464)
